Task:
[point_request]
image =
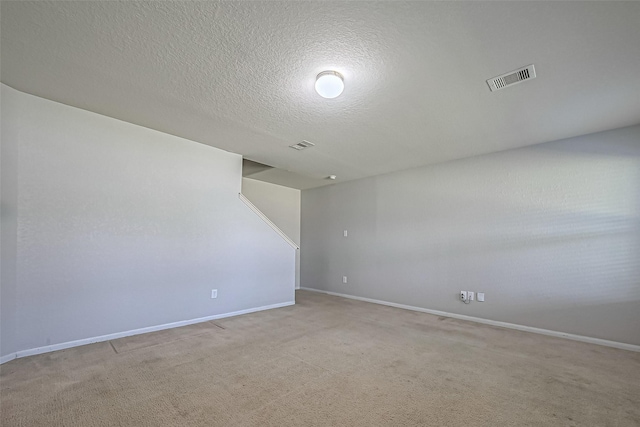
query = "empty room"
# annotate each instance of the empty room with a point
(319, 213)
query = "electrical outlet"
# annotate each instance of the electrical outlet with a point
(345, 233)
(344, 279)
(471, 295)
(463, 295)
(214, 293)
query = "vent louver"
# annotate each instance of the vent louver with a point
(302, 145)
(512, 78)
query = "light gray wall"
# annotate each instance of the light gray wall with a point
(121, 227)
(8, 223)
(281, 205)
(551, 234)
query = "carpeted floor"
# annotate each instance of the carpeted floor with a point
(327, 361)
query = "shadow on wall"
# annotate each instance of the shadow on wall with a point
(551, 233)
(568, 232)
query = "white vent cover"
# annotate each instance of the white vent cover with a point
(302, 145)
(512, 78)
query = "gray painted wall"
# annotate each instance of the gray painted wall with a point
(551, 234)
(281, 205)
(120, 227)
(8, 223)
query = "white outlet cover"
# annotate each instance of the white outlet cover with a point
(344, 279)
(471, 295)
(480, 296)
(345, 233)
(214, 293)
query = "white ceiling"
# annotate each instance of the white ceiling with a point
(240, 75)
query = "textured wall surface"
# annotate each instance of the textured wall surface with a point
(121, 227)
(550, 233)
(10, 108)
(281, 205)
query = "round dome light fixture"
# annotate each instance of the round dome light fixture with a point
(329, 84)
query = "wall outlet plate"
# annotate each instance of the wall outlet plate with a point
(480, 296)
(214, 293)
(344, 279)
(463, 295)
(471, 295)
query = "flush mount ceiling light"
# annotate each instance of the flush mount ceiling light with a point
(329, 84)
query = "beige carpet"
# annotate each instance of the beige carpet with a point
(326, 361)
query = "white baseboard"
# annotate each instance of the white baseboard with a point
(69, 344)
(8, 357)
(607, 343)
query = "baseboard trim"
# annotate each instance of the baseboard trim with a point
(582, 338)
(101, 338)
(8, 357)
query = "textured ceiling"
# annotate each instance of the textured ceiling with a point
(240, 75)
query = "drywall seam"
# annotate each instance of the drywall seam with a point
(582, 338)
(258, 212)
(101, 338)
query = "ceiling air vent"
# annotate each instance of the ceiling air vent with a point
(512, 78)
(302, 145)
